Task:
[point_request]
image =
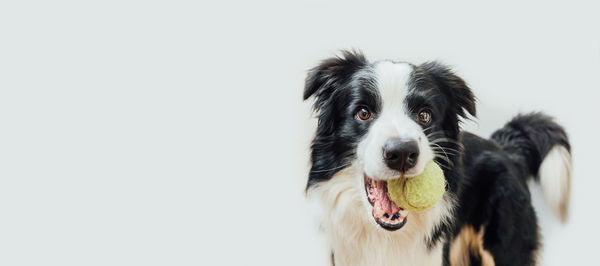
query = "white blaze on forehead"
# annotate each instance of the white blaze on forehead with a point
(392, 82)
(392, 121)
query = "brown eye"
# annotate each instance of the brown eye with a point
(424, 117)
(363, 114)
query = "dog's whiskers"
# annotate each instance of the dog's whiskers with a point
(448, 150)
(443, 165)
(447, 140)
(438, 155)
(441, 156)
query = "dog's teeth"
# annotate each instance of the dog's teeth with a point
(378, 211)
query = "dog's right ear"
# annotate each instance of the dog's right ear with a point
(331, 74)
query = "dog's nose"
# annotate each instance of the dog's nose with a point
(400, 154)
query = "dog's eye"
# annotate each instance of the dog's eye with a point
(424, 117)
(363, 114)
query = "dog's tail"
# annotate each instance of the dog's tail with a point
(541, 149)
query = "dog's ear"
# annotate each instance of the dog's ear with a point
(331, 74)
(456, 88)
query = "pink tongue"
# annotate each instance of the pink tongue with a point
(395, 208)
(386, 204)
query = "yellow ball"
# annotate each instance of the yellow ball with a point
(420, 192)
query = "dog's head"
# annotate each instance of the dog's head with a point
(387, 119)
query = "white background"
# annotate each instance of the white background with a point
(173, 133)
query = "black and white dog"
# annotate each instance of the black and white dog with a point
(379, 121)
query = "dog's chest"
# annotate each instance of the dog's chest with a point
(355, 239)
(386, 252)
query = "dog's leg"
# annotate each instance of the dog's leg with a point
(510, 234)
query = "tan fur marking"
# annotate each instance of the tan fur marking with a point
(467, 242)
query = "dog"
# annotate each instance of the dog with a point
(378, 121)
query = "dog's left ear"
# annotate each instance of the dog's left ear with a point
(456, 88)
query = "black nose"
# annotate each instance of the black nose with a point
(400, 154)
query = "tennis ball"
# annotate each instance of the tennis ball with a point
(420, 192)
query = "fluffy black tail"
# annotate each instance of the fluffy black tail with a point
(541, 149)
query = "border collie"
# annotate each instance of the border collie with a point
(382, 120)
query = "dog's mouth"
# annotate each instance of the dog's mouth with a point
(386, 213)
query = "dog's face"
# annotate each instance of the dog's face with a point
(388, 119)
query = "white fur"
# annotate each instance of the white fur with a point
(356, 239)
(346, 215)
(392, 121)
(555, 180)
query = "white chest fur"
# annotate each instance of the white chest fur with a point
(386, 252)
(354, 237)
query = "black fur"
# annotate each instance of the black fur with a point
(488, 177)
(338, 93)
(494, 192)
(528, 138)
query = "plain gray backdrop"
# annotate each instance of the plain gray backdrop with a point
(174, 133)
